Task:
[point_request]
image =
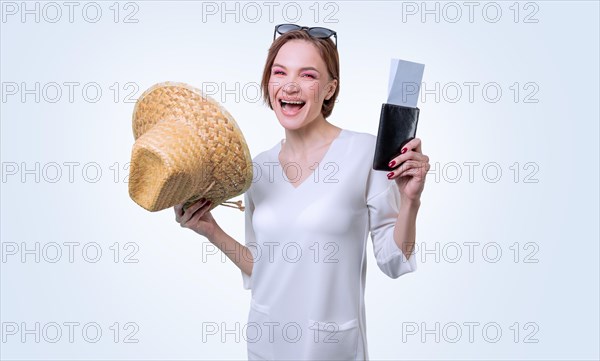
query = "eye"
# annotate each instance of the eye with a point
(308, 75)
(278, 72)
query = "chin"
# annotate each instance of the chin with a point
(292, 122)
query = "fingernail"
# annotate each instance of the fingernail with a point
(392, 163)
(403, 151)
(390, 174)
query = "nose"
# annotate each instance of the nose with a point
(291, 88)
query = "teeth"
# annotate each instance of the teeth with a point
(291, 102)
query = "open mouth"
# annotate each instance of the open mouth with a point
(291, 107)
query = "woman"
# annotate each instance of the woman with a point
(314, 200)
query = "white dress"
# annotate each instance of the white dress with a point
(308, 245)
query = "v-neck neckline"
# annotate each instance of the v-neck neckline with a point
(325, 156)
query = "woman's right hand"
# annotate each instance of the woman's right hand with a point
(197, 218)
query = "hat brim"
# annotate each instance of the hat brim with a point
(197, 138)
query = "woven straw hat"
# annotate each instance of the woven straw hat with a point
(186, 147)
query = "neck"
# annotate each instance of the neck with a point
(310, 137)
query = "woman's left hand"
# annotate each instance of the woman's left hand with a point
(410, 177)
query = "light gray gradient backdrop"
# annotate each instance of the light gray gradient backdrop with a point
(508, 262)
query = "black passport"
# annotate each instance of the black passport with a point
(397, 126)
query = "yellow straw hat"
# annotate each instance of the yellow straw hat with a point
(187, 147)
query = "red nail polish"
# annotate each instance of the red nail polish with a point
(390, 174)
(403, 151)
(392, 163)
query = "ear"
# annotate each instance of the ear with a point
(331, 89)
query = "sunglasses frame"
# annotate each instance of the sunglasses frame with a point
(307, 29)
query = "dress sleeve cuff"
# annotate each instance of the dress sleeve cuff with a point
(396, 264)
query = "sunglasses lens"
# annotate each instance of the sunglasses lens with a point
(317, 32)
(284, 28)
(322, 33)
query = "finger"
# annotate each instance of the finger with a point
(178, 211)
(408, 165)
(419, 170)
(198, 214)
(419, 173)
(418, 146)
(202, 210)
(409, 149)
(397, 161)
(189, 212)
(414, 145)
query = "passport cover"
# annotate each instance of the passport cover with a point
(397, 126)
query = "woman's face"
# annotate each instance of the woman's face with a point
(299, 83)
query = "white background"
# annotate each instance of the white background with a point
(544, 299)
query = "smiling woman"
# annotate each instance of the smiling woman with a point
(307, 223)
(324, 66)
(299, 85)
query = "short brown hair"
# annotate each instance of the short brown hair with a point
(328, 52)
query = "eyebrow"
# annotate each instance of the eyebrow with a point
(305, 68)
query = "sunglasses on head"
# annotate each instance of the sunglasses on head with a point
(315, 32)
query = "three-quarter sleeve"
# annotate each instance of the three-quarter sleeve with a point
(383, 201)
(250, 238)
